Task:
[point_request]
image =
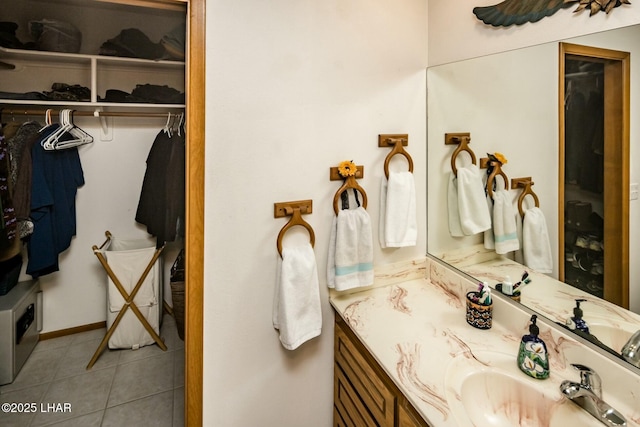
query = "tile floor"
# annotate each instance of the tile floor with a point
(142, 387)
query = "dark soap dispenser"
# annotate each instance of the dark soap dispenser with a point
(577, 322)
(533, 358)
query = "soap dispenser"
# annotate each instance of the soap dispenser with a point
(533, 358)
(577, 322)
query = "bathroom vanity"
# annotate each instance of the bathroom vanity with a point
(406, 356)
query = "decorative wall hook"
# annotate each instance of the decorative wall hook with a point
(397, 142)
(349, 182)
(462, 140)
(525, 183)
(295, 210)
(496, 166)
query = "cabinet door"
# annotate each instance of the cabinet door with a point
(364, 380)
(407, 416)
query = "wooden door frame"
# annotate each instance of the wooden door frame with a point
(194, 222)
(617, 77)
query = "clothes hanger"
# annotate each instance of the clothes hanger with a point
(72, 134)
(78, 135)
(168, 125)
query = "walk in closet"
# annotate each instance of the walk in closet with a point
(121, 67)
(594, 191)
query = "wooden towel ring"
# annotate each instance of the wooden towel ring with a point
(462, 146)
(497, 170)
(527, 191)
(350, 182)
(397, 149)
(296, 219)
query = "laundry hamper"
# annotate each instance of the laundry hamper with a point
(134, 293)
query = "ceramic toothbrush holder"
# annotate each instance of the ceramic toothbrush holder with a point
(479, 315)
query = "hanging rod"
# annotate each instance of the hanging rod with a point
(77, 113)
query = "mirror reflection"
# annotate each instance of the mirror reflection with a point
(510, 104)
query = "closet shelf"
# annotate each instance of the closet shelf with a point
(87, 104)
(7, 54)
(92, 71)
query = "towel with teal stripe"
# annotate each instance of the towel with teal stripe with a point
(350, 261)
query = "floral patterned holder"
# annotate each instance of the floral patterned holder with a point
(479, 315)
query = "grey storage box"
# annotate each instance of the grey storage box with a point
(20, 326)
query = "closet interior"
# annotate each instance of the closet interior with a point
(112, 74)
(584, 175)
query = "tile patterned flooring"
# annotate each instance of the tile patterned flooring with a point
(142, 387)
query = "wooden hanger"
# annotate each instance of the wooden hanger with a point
(526, 183)
(295, 210)
(497, 171)
(350, 182)
(397, 144)
(462, 140)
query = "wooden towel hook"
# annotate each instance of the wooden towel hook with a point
(349, 182)
(397, 142)
(497, 171)
(295, 211)
(525, 183)
(462, 140)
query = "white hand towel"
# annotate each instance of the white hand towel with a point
(297, 312)
(536, 248)
(504, 223)
(472, 208)
(398, 226)
(455, 228)
(350, 261)
(489, 242)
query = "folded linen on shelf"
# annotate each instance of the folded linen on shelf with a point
(350, 260)
(398, 225)
(297, 313)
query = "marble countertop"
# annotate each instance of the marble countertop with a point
(548, 296)
(416, 329)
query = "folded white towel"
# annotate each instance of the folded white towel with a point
(398, 226)
(536, 248)
(504, 223)
(350, 260)
(474, 217)
(297, 312)
(455, 228)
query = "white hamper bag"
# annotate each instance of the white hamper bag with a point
(128, 259)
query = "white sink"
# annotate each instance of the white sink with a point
(615, 337)
(489, 390)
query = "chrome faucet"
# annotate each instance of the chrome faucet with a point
(631, 350)
(588, 395)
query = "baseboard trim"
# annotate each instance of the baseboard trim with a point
(71, 331)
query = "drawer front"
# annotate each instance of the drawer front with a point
(364, 380)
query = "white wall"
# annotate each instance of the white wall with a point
(293, 88)
(455, 33)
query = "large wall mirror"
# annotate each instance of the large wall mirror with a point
(510, 103)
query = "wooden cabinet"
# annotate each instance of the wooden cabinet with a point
(364, 395)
